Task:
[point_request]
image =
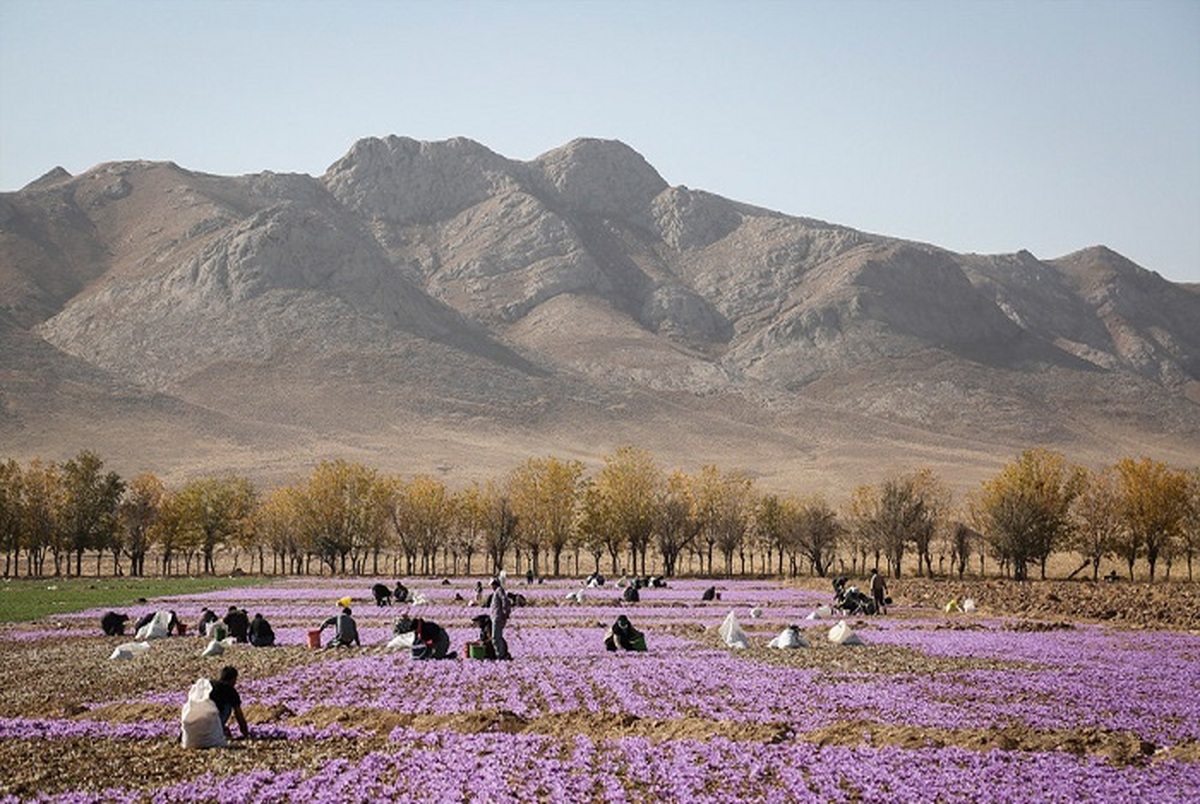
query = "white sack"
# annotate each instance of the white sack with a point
(214, 648)
(842, 634)
(732, 634)
(128, 650)
(158, 628)
(200, 721)
(969, 605)
(820, 613)
(788, 638)
(402, 641)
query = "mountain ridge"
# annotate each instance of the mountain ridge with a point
(572, 302)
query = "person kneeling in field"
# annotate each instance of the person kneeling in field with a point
(228, 701)
(625, 636)
(262, 635)
(207, 616)
(430, 640)
(238, 623)
(346, 630)
(484, 623)
(114, 623)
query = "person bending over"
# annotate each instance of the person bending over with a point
(345, 629)
(225, 695)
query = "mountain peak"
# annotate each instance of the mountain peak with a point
(402, 180)
(601, 177)
(50, 177)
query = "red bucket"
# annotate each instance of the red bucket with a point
(314, 640)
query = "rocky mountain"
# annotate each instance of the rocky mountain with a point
(437, 307)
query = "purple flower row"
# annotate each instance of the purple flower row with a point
(447, 766)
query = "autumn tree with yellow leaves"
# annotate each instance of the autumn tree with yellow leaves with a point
(1155, 507)
(1024, 512)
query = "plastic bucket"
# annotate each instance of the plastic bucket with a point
(314, 640)
(181, 628)
(476, 650)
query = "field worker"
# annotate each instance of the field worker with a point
(346, 630)
(238, 623)
(207, 616)
(878, 590)
(262, 635)
(499, 610)
(113, 623)
(625, 636)
(430, 641)
(228, 701)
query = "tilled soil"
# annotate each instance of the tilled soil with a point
(1169, 605)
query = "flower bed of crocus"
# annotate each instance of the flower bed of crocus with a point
(933, 707)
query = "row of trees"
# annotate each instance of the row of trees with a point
(552, 517)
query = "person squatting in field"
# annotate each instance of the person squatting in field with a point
(345, 629)
(430, 640)
(262, 635)
(625, 636)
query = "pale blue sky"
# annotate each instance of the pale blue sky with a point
(979, 126)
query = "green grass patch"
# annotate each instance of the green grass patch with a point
(27, 599)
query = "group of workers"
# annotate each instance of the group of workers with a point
(429, 640)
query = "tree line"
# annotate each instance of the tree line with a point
(551, 517)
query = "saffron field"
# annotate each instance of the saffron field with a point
(933, 707)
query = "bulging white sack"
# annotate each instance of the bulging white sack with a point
(842, 634)
(732, 634)
(200, 721)
(788, 638)
(127, 650)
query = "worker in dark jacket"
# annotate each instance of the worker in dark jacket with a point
(114, 623)
(228, 701)
(262, 635)
(625, 636)
(430, 641)
(238, 623)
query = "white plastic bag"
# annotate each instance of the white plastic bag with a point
(127, 650)
(158, 628)
(402, 641)
(200, 720)
(820, 613)
(968, 605)
(732, 634)
(842, 634)
(788, 638)
(214, 648)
